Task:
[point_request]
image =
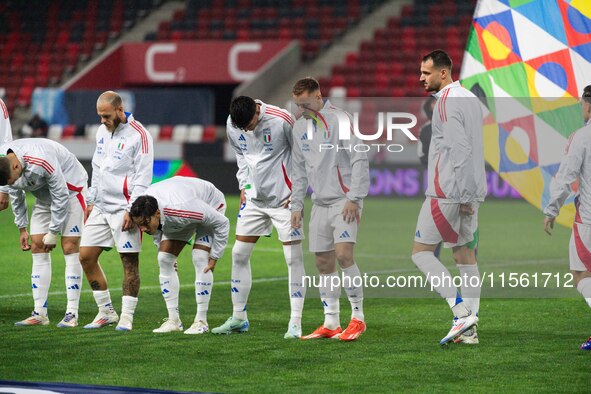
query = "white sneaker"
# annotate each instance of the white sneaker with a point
(169, 326)
(69, 321)
(103, 318)
(199, 327)
(293, 331)
(125, 323)
(34, 320)
(459, 326)
(469, 337)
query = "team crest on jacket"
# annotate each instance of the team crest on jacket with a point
(267, 135)
(267, 139)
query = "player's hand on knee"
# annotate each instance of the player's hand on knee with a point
(24, 240)
(350, 212)
(127, 222)
(49, 242)
(548, 225)
(296, 219)
(210, 266)
(466, 209)
(242, 196)
(3, 201)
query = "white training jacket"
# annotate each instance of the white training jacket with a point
(264, 157)
(456, 154)
(576, 164)
(334, 174)
(5, 133)
(188, 203)
(122, 166)
(51, 173)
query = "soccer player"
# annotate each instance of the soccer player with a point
(121, 171)
(456, 187)
(5, 136)
(174, 211)
(261, 136)
(340, 180)
(58, 181)
(576, 165)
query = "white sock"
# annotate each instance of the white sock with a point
(103, 299)
(471, 288)
(73, 282)
(169, 283)
(203, 284)
(40, 281)
(436, 272)
(351, 278)
(329, 295)
(584, 287)
(294, 257)
(241, 277)
(128, 304)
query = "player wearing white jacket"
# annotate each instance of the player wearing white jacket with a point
(5, 136)
(456, 186)
(576, 166)
(173, 211)
(260, 135)
(58, 181)
(122, 167)
(339, 177)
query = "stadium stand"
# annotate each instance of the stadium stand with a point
(315, 23)
(39, 51)
(387, 65)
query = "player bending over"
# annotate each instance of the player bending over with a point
(173, 211)
(58, 181)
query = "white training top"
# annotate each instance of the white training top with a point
(576, 164)
(188, 203)
(122, 166)
(333, 174)
(50, 172)
(264, 156)
(456, 153)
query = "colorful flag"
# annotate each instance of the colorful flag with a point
(529, 61)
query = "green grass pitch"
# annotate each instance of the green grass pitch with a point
(529, 338)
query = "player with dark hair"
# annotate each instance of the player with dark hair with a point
(173, 212)
(261, 137)
(58, 181)
(456, 187)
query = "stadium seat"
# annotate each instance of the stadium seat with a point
(179, 133)
(154, 131)
(195, 133)
(56, 37)
(165, 132)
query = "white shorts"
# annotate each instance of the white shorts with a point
(327, 227)
(41, 217)
(203, 235)
(255, 221)
(104, 230)
(579, 249)
(441, 221)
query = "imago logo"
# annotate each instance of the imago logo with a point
(348, 126)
